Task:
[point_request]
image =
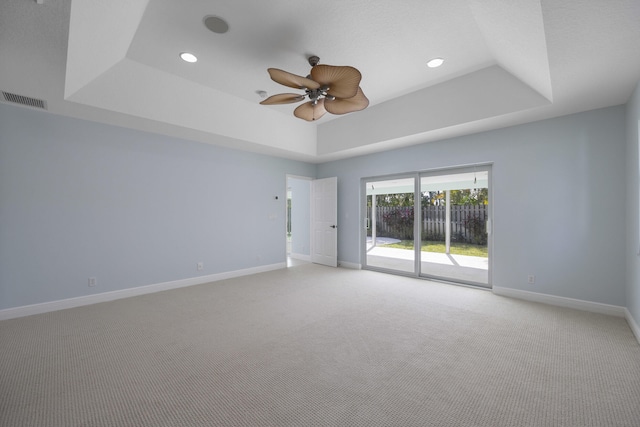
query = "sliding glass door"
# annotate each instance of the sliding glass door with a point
(431, 224)
(454, 221)
(390, 224)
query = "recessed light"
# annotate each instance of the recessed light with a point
(216, 24)
(188, 57)
(435, 62)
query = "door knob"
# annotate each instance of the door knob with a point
(333, 226)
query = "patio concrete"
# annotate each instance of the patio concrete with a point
(463, 268)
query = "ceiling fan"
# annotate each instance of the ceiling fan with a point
(333, 89)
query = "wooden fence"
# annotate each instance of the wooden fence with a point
(468, 223)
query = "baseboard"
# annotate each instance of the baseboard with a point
(351, 265)
(301, 257)
(595, 307)
(632, 324)
(28, 310)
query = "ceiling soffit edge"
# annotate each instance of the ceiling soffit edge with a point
(100, 34)
(514, 32)
(484, 94)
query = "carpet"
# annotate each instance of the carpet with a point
(317, 346)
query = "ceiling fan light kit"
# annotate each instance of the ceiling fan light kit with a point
(333, 89)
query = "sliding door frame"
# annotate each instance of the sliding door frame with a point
(466, 169)
(417, 229)
(363, 238)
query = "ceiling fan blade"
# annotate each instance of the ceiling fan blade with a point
(291, 80)
(310, 112)
(283, 98)
(349, 105)
(342, 81)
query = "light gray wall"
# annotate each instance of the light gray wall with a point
(300, 216)
(633, 211)
(557, 187)
(81, 199)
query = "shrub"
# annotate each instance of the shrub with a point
(400, 221)
(477, 227)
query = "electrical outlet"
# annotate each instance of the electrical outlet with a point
(531, 279)
(93, 281)
(200, 266)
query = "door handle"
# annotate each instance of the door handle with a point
(333, 226)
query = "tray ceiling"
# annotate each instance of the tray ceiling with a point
(506, 63)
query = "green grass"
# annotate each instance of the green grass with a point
(438, 247)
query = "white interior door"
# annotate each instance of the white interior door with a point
(324, 221)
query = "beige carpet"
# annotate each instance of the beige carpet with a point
(316, 346)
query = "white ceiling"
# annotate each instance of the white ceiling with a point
(507, 62)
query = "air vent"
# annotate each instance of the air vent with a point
(24, 100)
